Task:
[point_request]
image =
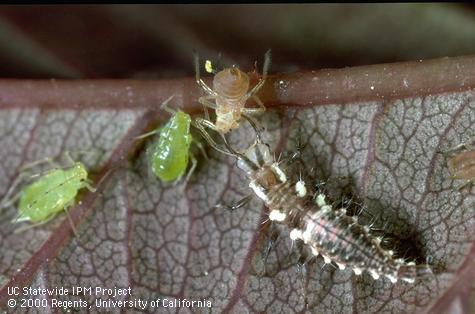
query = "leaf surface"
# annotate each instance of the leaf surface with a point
(168, 241)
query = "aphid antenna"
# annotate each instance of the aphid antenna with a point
(166, 107)
(265, 69)
(46, 160)
(101, 180)
(163, 106)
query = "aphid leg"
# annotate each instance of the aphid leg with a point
(198, 124)
(88, 185)
(189, 173)
(254, 124)
(200, 82)
(241, 203)
(205, 102)
(7, 200)
(207, 123)
(73, 228)
(27, 227)
(201, 148)
(258, 101)
(265, 68)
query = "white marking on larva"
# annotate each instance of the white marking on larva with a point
(320, 200)
(411, 263)
(374, 274)
(307, 234)
(341, 266)
(276, 215)
(282, 177)
(326, 259)
(300, 188)
(314, 251)
(357, 271)
(259, 191)
(390, 252)
(409, 280)
(296, 234)
(392, 278)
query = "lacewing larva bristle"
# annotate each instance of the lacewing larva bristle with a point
(312, 219)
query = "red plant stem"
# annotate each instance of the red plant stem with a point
(335, 86)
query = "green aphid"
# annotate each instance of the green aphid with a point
(170, 154)
(51, 193)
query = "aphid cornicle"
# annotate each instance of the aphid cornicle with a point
(170, 154)
(327, 231)
(54, 191)
(229, 95)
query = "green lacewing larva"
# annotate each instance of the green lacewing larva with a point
(314, 220)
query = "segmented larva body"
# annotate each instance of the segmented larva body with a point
(327, 231)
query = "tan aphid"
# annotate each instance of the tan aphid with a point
(231, 90)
